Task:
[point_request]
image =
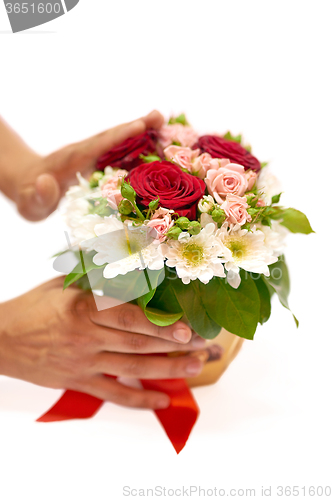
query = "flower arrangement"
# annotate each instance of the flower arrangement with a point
(199, 218)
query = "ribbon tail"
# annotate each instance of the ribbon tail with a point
(179, 418)
(72, 404)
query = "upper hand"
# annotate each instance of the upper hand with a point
(46, 179)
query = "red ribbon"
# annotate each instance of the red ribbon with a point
(177, 420)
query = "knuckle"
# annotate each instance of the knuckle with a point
(137, 342)
(126, 318)
(157, 331)
(174, 369)
(136, 367)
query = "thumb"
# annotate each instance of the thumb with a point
(40, 200)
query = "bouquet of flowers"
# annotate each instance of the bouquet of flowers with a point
(185, 226)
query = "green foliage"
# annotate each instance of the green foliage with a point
(168, 310)
(178, 119)
(265, 298)
(235, 138)
(294, 220)
(149, 158)
(85, 265)
(95, 178)
(191, 300)
(276, 198)
(263, 164)
(236, 310)
(279, 281)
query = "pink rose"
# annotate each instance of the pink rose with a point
(185, 135)
(182, 156)
(111, 189)
(235, 209)
(230, 179)
(251, 177)
(161, 222)
(216, 163)
(261, 203)
(201, 165)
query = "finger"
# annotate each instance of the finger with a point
(131, 318)
(111, 390)
(154, 119)
(99, 144)
(112, 340)
(37, 201)
(147, 367)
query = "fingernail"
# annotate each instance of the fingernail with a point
(198, 342)
(162, 403)
(194, 367)
(182, 335)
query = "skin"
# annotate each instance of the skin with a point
(58, 339)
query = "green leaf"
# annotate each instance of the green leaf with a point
(263, 164)
(235, 138)
(149, 158)
(296, 221)
(279, 281)
(85, 265)
(179, 119)
(190, 298)
(132, 285)
(164, 312)
(276, 198)
(265, 299)
(236, 310)
(165, 298)
(162, 318)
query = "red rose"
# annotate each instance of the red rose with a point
(126, 155)
(218, 147)
(176, 189)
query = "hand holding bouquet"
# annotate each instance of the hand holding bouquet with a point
(189, 228)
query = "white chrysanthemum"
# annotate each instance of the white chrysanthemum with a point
(79, 191)
(244, 250)
(268, 185)
(195, 257)
(274, 237)
(124, 248)
(75, 211)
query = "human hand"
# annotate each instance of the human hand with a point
(42, 181)
(58, 339)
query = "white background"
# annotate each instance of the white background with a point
(261, 68)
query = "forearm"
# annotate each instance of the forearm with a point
(15, 156)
